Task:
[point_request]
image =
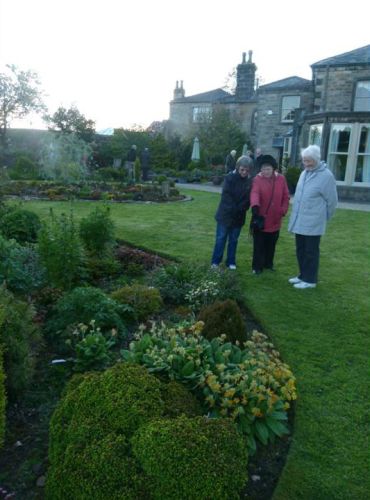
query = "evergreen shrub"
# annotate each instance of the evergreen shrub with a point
(21, 341)
(97, 471)
(99, 412)
(61, 252)
(20, 267)
(178, 400)
(193, 458)
(2, 386)
(21, 225)
(97, 232)
(223, 318)
(145, 301)
(83, 304)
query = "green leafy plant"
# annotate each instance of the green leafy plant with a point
(145, 301)
(192, 458)
(21, 341)
(2, 385)
(24, 168)
(82, 305)
(292, 175)
(97, 232)
(20, 267)
(91, 347)
(61, 251)
(22, 225)
(251, 385)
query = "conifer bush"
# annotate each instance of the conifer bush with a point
(194, 458)
(223, 318)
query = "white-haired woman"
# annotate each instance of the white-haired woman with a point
(314, 204)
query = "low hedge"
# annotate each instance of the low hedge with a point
(192, 458)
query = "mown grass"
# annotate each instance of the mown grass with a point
(322, 334)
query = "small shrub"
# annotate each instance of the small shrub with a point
(2, 386)
(82, 305)
(196, 285)
(194, 458)
(145, 301)
(21, 225)
(292, 175)
(91, 348)
(21, 340)
(178, 400)
(223, 318)
(97, 232)
(61, 252)
(24, 168)
(20, 267)
(96, 471)
(118, 400)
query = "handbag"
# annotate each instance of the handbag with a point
(258, 221)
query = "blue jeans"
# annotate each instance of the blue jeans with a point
(223, 234)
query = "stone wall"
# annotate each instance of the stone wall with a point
(334, 87)
(269, 123)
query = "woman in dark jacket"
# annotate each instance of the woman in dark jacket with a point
(231, 212)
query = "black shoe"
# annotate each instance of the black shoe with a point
(256, 271)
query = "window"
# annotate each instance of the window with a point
(338, 150)
(315, 134)
(288, 105)
(349, 152)
(362, 96)
(362, 173)
(202, 114)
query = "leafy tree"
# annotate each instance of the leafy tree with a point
(20, 95)
(219, 134)
(68, 121)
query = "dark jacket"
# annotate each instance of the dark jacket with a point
(230, 163)
(131, 155)
(234, 200)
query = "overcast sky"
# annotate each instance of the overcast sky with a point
(118, 60)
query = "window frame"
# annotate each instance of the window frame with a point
(357, 99)
(291, 109)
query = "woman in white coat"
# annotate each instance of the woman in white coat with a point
(314, 204)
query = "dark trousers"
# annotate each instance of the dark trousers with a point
(308, 255)
(264, 250)
(223, 234)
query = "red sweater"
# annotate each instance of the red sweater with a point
(262, 190)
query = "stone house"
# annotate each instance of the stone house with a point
(331, 110)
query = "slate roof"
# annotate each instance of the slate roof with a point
(292, 82)
(358, 56)
(210, 96)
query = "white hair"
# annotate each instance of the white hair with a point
(312, 152)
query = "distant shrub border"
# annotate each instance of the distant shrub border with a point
(106, 191)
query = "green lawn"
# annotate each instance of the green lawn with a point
(322, 333)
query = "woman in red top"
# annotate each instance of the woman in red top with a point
(269, 200)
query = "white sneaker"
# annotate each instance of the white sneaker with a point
(214, 266)
(232, 267)
(303, 284)
(294, 280)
